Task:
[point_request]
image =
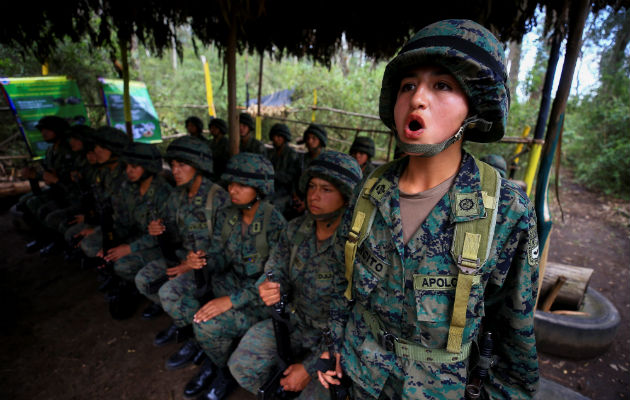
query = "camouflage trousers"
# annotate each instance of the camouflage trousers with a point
(128, 266)
(93, 243)
(254, 359)
(72, 230)
(58, 220)
(392, 390)
(151, 272)
(178, 299)
(217, 335)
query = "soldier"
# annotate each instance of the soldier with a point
(194, 127)
(244, 234)
(184, 223)
(315, 139)
(55, 171)
(284, 160)
(57, 221)
(445, 249)
(148, 190)
(219, 145)
(362, 150)
(303, 267)
(111, 188)
(249, 144)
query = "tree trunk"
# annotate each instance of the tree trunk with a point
(126, 98)
(572, 292)
(515, 64)
(612, 60)
(230, 56)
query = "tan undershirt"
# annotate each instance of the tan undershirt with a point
(415, 208)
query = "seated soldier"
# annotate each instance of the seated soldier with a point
(284, 160)
(220, 146)
(302, 268)
(246, 129)
(244, 234)
(182, 224)
(362, 150)
(194, 127)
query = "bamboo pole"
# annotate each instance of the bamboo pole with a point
(230, 55)
(126, 98)
(258, 119)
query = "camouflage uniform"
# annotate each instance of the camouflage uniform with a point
(253, 145)
(141, 208)
(220, 148)
(304, 267)
(184, 217)
(236, 259)
(365, 145)
(408, 289)
(285, 166)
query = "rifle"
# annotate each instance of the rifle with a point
(203, 290)
(168, 251)
(341, 391)
(473, 388)
(109, 235)
(280, 317)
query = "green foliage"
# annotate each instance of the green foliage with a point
(597, 139)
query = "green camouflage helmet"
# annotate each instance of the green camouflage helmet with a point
(192, 151)
(54, 123)
(473, 56)
(337, 168)
(497, 161)
(219, 123)
(110, 138)
(246, 119)
(280, 130)
(252, 170)
(143, 154)
(363, 144)
(318, 131)
(81, 132)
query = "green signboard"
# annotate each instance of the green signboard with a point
(31, 99)
(146, 126)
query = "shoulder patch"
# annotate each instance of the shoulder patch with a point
(532, 245)
(466, 204)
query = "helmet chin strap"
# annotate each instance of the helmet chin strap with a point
(248, 206)
(328, 217)
(430, 150)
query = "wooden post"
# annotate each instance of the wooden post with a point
(126, 98)
(230, 56)
(258, 117)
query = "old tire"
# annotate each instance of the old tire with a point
(578, 337)
(550, 390)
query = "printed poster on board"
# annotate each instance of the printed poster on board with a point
(31, 99)
(145, 122)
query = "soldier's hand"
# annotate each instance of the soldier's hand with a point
(213, 308)
(177, 270)
(329, 377)
(28, 173)
(117, 252)
(100, 253)
(196, 259)
(156, 227)
(295, 378)
(78, 219)
(269, 292)
(85, 232)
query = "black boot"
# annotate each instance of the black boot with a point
(184, 333)
(222, 385)
(166, 336)
(50, 249)
(201, 381)
(184, 356)
(152, 311)
(123, 299)
(33, 246)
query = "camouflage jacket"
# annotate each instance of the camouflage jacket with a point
(383, 283)
(307, 281)
(285, 169)
(220, 155)
(253, 146)
(59, 160)
(186, 219)
(144, 207)
(234, 262)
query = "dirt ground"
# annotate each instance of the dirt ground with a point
(57, 340)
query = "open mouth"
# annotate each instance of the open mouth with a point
(415, 125)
